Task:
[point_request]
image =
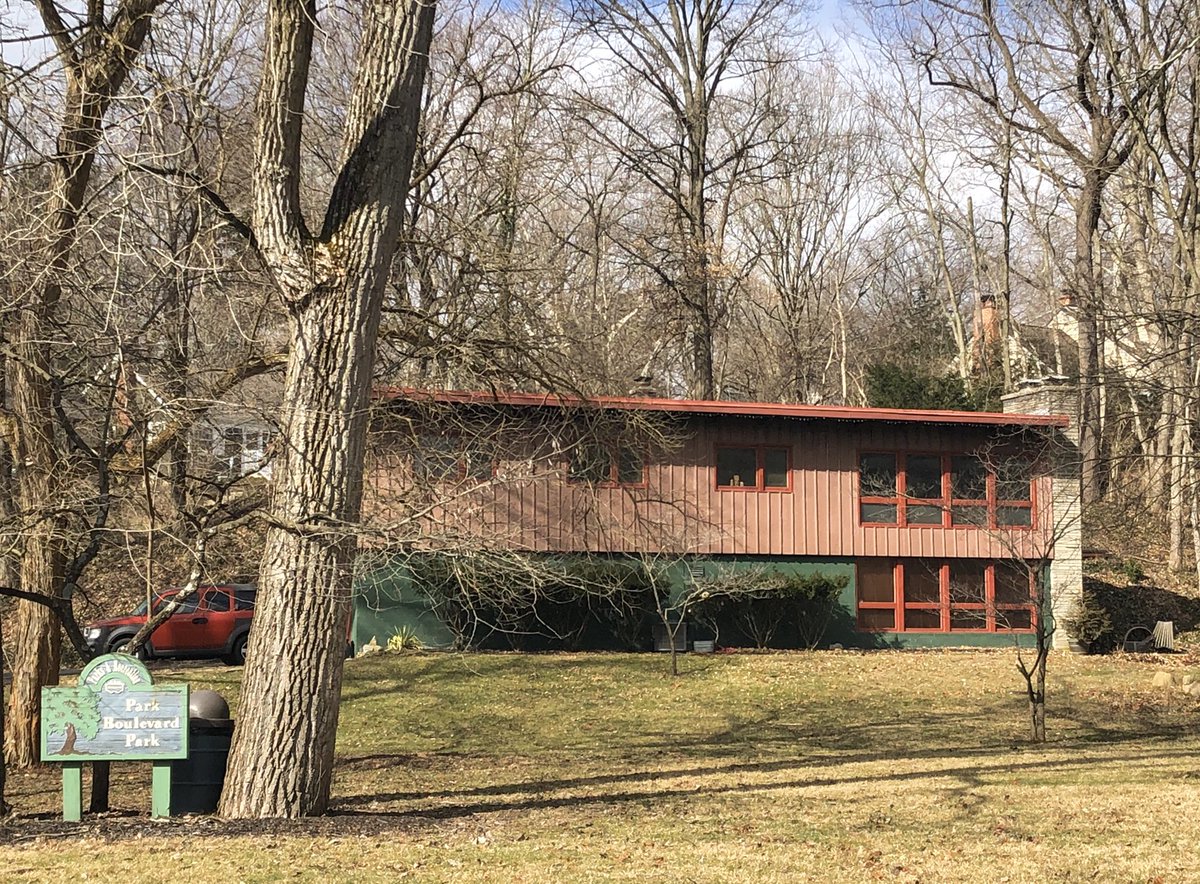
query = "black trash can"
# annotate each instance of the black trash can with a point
(196, 781)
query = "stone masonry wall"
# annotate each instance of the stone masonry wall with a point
(1051, 396)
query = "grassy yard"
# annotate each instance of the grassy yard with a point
(829, 766)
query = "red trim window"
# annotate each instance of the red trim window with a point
(875, 584)
(960, 595)
(944, 491)
(451, 458)
(968, 491)
(753, 468)
(597, 464)
(1013, 482)
(437, 459)
(879, 489)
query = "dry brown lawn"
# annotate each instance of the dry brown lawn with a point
(826, 766)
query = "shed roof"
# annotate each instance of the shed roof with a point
(722, 407)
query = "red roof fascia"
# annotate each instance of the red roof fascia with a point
(721, 407)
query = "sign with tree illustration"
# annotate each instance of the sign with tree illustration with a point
(114, 713)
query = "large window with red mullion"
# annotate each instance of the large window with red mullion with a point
(928, 595)
(754, 468)
(596, 464)
(944, 491)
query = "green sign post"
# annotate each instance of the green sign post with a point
(115, 713)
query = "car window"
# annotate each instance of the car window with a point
(243, 599)
(160, 602)
(187, 606)
(216, 600)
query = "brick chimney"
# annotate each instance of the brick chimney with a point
(989, 321)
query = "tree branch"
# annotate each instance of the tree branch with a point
(210, 196)
(57, 30)
(162, 442)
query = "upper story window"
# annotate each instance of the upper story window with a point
(754, 468)
(597, 464)
(436, 459)
(441, 458)
(945, 490)
(242, 451)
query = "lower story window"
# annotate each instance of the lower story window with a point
(931, 595)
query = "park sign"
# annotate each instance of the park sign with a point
(114, 713)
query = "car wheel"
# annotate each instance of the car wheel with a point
(237, 654)
(119, 642)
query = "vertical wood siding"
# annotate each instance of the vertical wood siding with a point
(680, 510)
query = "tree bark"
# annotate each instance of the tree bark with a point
(1180, 478)
(4, 807)
(281, 763)
(1087, 220)
(8, 564)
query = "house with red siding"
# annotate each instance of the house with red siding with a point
(941, 521)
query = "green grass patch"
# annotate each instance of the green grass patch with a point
(905, 766)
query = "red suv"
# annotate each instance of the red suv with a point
(214, 622)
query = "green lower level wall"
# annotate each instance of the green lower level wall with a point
(386, 603)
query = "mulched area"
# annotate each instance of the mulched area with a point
(36, 798)
(130, 826)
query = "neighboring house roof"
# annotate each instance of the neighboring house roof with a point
(720, 407)
(1047, 349)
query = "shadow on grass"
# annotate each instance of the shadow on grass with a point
(858, 744)
(970, 774)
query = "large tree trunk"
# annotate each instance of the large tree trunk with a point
(697, 283)
(9, 574)
(293, 677)
(36, 637)
(283, 748)
(700, 333)
(4, 808)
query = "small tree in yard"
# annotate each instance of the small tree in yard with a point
(671, 606)
(1033, 612)
(1035, 615)
(1031, 554)
(1033, 671)
(760, 599)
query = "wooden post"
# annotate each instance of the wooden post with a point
(73, 792)
(160, 789)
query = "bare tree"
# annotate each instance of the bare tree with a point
(1022, 61)
(332, 281)
(686, 101)
(96, 52)
(804, 220)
